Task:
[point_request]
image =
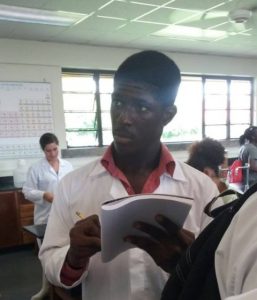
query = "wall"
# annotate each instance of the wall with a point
(38, 61)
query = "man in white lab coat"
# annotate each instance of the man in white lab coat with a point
(145, 88)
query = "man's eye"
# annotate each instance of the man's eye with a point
(143, 108)
(117, 103)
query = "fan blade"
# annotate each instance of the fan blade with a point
(215, 14)
(203, 18)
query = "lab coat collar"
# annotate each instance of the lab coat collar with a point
(178, 173)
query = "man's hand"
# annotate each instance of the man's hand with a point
(163, 245)
(85, 241)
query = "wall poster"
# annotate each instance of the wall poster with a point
(25, 114)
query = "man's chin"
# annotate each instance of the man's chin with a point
(123, 146)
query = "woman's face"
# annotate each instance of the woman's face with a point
(51, 151)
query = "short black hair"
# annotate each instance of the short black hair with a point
(248, 135)
(48, 138)
(206, 153)
(152, 68)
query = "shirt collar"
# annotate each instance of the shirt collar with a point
(166, 165)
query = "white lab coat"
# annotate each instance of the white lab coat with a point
(236, 255)
(132, 274)
(42, 178)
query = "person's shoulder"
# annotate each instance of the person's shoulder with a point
(195, 176)
(66, 163)
(38, 164)
(84, 171)
(190, 171)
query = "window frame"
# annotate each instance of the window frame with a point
(99, 131)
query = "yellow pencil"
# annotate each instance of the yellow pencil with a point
(80, 215)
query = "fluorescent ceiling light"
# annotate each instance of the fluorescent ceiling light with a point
(38, 16)
(190, 32)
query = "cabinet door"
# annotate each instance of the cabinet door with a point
(9, 220)
(26, 210)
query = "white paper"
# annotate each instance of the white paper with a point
(117, 218)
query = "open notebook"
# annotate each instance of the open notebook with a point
(118, 216)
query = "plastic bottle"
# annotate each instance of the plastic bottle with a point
(20, 173)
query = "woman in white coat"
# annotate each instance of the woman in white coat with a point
(41, 183)
(43, 177)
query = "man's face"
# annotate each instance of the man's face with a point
(137, 118)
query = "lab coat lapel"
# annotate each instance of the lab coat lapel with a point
(117, 190)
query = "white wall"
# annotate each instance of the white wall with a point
(39, 61)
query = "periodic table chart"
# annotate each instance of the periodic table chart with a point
(25, 114)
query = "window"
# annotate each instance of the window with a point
(87, 101)
(217, 107)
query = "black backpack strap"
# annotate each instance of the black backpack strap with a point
(194, 276)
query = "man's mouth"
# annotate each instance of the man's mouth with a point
(122, 137)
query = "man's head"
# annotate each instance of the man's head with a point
(145, 88)
(154, 69)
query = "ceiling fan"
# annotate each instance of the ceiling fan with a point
(241, 19)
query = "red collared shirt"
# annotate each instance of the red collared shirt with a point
(166, 164)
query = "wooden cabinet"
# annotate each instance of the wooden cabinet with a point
(26, 212)
(15, 212)
(9, 220)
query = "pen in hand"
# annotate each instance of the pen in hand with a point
(80, 215)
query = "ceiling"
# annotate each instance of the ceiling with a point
(135, 24)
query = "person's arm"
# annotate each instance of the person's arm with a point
(252, 295)
(250, 155)
(85, 241)
(165, 245)
(67, 245)
(236, 255)
(30, 188)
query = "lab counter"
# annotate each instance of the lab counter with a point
(6, 184)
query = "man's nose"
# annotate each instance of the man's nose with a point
(127, 114)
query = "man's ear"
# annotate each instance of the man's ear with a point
(169, 114)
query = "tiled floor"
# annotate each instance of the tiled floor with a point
(20, 274)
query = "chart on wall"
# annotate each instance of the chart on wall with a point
(25, 114)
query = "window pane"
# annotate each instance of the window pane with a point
(79, 102)
(106, 84)
(215, 117)
(237, 130)
(81, 139)
(216, 102)
(189, 106)
(240, 87)
(215, 87)
(106, 121)
(105, 100)
(239, 116)
(216, 132)
(80, 120)
(79, 83)
(107, 137)
(240, 102)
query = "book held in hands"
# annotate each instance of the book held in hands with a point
(119, 215)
